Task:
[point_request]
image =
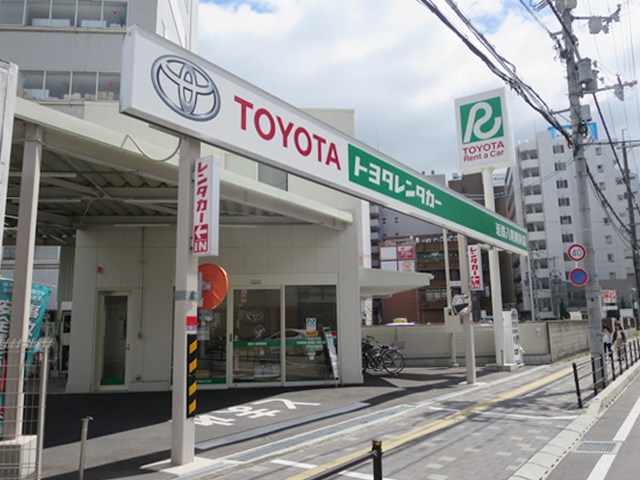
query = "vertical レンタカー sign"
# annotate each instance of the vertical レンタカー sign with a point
(206, 206)
(485, 138)
(475, 267)
(39, 300)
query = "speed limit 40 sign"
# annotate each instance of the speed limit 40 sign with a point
(577, 252)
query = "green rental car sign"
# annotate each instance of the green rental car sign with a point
(485, 139)
(386, 179)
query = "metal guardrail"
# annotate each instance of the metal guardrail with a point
(594, 375)
(375, 454)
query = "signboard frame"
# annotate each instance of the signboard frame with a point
(482, 144)
(240, 118)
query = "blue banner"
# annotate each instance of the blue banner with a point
(39, 300)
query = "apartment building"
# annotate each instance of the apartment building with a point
(542, 195)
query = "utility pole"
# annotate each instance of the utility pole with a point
(632, 217)
(578, 129)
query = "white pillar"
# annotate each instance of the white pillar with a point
(186, 304)
(469, 346)
(447, 280)
(22, 278)
(494, 270)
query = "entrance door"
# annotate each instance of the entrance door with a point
(112, 342)
(256, 331)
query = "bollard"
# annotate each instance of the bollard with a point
(613, 365)
(83, 444)
(603, 369)
(595, 377)
(575, 377)
(376, 454)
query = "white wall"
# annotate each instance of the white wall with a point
(274, 255)
(117, 251)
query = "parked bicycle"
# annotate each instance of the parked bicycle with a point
(378, 357)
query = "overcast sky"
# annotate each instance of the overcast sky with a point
(400, 68)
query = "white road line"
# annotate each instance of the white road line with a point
(511, 415)
(625, 429)
(601, 469)
(308, 466)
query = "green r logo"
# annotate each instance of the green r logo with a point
(481, 120)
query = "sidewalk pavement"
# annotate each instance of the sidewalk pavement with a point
(431, 424)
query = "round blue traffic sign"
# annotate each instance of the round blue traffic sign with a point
(579, 277)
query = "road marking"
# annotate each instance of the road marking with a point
(288, 403)
(440, 424)
(601, 469)
(626, 426)
(511, 415)
(308, 466)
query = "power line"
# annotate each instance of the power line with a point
(510, 77)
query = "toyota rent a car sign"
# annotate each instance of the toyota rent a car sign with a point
(485, 139)
(166, 85)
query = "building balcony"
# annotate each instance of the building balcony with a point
(533, 217)
(530, 163)
(537, 235)
(530, 181)
(532, 199)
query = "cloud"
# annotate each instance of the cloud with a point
(392, 61)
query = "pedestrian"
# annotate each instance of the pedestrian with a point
(619, 339)
(259, 331)
(606, 338)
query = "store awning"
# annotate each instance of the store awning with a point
(383, 283)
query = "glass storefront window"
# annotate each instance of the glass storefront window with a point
(108, 86)
(57, 85)
(83, 86)
(115, 14)
(212, 345)
(11, 12)
(309, 309)
(256, 335)
(38, 13)
(63, 13)
(90, 14)
(31, 85)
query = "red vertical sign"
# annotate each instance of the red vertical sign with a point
(475, 267)
(206, 206)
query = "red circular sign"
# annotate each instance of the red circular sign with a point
(579, 277)
(214, 286)
(576, 252)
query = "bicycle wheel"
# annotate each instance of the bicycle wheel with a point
(393, 361)
(377, 360)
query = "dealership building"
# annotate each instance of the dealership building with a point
(112, 191)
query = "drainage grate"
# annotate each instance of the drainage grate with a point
(598, 447)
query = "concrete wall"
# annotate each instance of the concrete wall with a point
(568, 338)
(543, 342)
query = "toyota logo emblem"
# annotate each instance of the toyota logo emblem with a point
(185, 88)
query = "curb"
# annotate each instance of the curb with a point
(539, 466)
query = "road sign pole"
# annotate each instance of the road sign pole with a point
(469, 346)
(186, 303)
(494, 272)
